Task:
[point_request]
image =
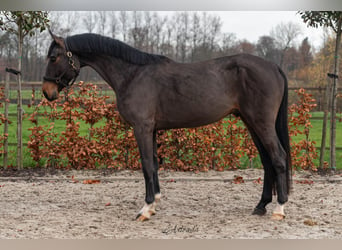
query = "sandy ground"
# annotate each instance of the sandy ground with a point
(41, 205)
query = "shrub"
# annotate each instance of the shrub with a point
(110, 141)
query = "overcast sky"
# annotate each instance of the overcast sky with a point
(251, 25)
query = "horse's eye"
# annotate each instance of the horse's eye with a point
(53, 58)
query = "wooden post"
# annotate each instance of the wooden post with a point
(19, 103)
(6, 121)
(326, 108)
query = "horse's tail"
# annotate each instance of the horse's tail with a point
(283, 131)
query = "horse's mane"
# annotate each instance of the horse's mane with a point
(93, 43)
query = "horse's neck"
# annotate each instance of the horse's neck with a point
(114, 71)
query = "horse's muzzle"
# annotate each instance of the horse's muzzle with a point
(50, 91)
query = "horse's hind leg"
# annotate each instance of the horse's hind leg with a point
(277, 169)
(274, 160)
(266, 196)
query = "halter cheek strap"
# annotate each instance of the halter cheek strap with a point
(58, 80)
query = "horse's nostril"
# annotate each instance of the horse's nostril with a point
(50, 98)
(44, 93)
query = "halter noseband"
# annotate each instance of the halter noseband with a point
(58, 80)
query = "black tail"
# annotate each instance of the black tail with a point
(283, 131)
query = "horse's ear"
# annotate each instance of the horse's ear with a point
(57, 39)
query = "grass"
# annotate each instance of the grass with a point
(315, 135)
(12, 131)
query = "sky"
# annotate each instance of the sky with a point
(251, 25)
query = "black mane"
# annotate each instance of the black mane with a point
(93, 43)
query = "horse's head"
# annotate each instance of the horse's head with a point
(62, 69)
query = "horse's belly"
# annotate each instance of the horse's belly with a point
(186, 116)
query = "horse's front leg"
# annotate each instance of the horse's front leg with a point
(157, 194)
(144, 137)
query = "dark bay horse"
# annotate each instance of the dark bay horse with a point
(156, 93)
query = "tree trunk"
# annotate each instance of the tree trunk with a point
(19, 102)
(334, 100)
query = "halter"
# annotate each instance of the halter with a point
(58, 80)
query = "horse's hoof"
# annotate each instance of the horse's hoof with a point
(157, 198)
(277, 216)
(141, 218)
(259, 211)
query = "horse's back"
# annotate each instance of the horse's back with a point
(195, 94)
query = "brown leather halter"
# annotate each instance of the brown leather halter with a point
(58, 80)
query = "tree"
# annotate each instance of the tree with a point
(305, 64)
(167, 47)
(22, 23)
(229, 44)
(7, 47)
(305, 52)
(215, 26)
(204, 31)
(266, 48)
(291, 60)
(246, 47)
(182, 35)
(284, 35)
(65, 22)
(123, 18)
(102, 17)
(333, 20)
(89, 22)
(113, 24)
(194, 31)
(156, 34)
(137, 33)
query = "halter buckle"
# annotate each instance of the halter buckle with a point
(58, 80)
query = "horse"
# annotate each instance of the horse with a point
(155, 93)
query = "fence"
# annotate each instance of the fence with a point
(318, 93)
(222, 145)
